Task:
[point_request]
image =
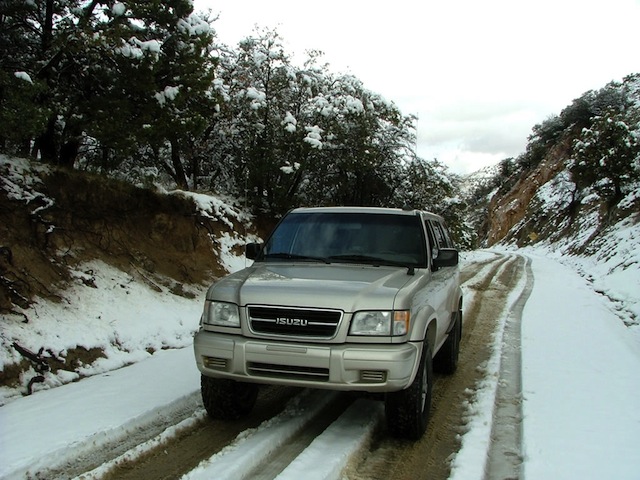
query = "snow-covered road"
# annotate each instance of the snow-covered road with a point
(580, 387)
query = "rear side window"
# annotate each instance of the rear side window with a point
(446, 235)
(442, 236)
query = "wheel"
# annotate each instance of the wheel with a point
(446, 360)
(407, 411)
(227, 399)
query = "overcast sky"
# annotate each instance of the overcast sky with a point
(478, 74)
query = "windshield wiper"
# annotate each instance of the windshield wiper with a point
(376, 261)
(368, 259)
(293, 256)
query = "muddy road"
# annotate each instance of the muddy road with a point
(488, 287)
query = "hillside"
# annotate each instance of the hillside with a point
(583, 163)
(575, 191)
(68, 239)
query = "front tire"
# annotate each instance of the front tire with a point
(407, 411)
(225, 399)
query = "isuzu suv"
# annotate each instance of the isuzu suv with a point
(342, 298)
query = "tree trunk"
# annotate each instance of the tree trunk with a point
(47, 31)
(179, 174)
(69, 153)
(45, 144)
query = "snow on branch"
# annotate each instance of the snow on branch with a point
(169, 93)
(314, 137)
(23, 76)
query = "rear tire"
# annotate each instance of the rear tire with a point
(446, 360)
(407, 411)
(227, 399)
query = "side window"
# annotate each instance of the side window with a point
(447, 236)
(430, 236)
(440, 236)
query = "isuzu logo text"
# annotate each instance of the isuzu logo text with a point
(297, 322)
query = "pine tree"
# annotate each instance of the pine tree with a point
(607, 156)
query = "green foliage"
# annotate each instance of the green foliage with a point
(20, 113)
(101, 68)
(606, 156)
(606, 150)
(544, 136)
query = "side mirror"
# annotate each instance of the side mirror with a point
(252, 250)
(447, 257)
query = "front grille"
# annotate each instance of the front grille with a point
(289, 371)
(294, 321)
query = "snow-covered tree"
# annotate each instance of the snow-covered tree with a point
(305, 136)
(366, 142)
(607, 156)
(103, 69)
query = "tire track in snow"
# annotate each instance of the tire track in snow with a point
(505, 454)
(282, 440)
(177, 454)
(280, 459)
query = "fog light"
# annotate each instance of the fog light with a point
(373, 376)
(215, 363)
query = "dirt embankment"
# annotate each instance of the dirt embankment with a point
(54, 221)
(77, 218)
(506, 210)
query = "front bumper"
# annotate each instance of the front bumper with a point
(361, 367)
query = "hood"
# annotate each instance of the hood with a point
(344, 287)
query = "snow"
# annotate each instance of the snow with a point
(289, 122)
(136, 49)
(258, 98)
(23, 76)
(169, 93)
(96, 411)
(469, 463)
(194, 25)
(288, 169)
(581, 382)
(118, 9)
(104, 317)
(314, 136)
(580, 385)
(336, 442)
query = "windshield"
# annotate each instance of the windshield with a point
(370, 238)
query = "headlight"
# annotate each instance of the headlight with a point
(380, 323)
(221, 314)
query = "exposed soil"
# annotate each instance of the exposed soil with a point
(136, 230)
(74, 217)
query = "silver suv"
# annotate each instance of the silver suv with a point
(343, 298)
